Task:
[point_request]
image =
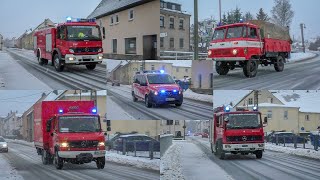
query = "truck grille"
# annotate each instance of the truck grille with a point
(85, 50)
(243, 138)
(83, 144)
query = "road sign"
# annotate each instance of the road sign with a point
(163, 34)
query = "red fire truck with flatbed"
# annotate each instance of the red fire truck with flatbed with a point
(68, 131)
(75, 42)
(240, 131)
(248, 45)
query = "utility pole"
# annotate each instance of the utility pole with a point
(256, 98)
(220, 10)
(302, 26)
(184, 130)
(195, 31)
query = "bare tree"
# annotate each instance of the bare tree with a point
(282, 13)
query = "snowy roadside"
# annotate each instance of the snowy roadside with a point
(170, 167)
(115, 112)
(31, 144)
(290, 150)
(7, 171)
(139, 162)
(295, 57)
(189, 94)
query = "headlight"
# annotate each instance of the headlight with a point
(101, 144)
(180, 92)
(235, 52)
(71, 50)
(155, 93)
(64, 144)
(4, 145)
(100, 57)
(71, 58)
(209, 53)
(100, 50)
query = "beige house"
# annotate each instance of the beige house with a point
(11, 124)
(125, 72)
(292, 111)
(174, 27)
(174, 127)
(129, 28)
(202, 76)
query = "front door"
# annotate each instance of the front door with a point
(150, 47)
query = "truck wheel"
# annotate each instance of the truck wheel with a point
(147, 103)
(212, 151)
(57, 63)
(40, 60)
(44, 157)
(134, 97)
(91, 66)
(250, 68)
(101, 161)
(279, 64)
(58, 162)
(222, 68)
(259, 154)
(178, 104)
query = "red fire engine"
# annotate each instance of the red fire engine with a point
(246, 45)
(76, 42)
(236, 132)
(68, 131)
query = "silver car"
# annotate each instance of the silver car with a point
(3, 145)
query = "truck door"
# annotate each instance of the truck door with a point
(52, 135)
(144, 86)
(254, 42)
(136, 85)
(61, 37)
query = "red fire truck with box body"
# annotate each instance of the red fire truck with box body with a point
(75, 42)
(68, 131)
(246, 45)
(236, 132)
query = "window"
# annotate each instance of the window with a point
(269, 114)
(114, 46)
(161, 41)
(111, 20)
(130, 45)
(171, 23)
(141, 67)
(285, 115)
(307, 117)
(161, 21)
(270, 100)
(177, 122)
(250, 101)
(171, 43)
(131, 14)
(169, 122)
(253, 33)
(177, 69)
(181, 22)
(117, 18)
(181, 43)
(173, 7)
(152, 67)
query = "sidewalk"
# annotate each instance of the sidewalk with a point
(6, 170)
(291, 150)
(14, 77)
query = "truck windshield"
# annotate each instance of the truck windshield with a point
(236, 32)
(160, 79)
(243, 121)
(71, 124)
(80, 33)
(219, 34)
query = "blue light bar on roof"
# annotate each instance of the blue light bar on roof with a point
(94, 110)
(60, 111)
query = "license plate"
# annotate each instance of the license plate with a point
(86, 57)
(170, 99)
(97, 152)
(244, 145)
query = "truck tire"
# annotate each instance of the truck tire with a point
(178, 104)
(44, 158)
(58, 162)
(222, 68)
(259, 154)
(250, 68)
(134, 97)
(212, 151)
(91, 66)
(101, 161)
(147, 103)
(57, 63)
(40, 60)
(279, 64)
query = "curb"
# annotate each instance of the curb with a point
(306, 59)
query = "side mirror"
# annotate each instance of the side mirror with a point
(108, 128)
(48, 127)
(226, 119)
(143, 84)
(105, 134)
(51, 134)
(108, 123)
(265, 120)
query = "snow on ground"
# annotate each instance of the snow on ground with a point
(14, 76)
(20, 142)
(299, 151)
(116, 112)
(300, 56)
(170, 167)
(6, 170)
(199, 97)
(145, 163)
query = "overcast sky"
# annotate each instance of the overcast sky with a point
(16, 16)
(305, 11)
(18, 100)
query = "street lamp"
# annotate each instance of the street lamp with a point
(303, 26)
(184, 130)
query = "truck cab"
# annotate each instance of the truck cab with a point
(156, 88)
(240, 131)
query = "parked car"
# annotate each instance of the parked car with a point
(142, 142)
(287, 137)
(205, 135)
(115, 83)
(312, 137)
(3, 145)
(196, 134)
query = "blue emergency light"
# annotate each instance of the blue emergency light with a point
(161, 71)
(174, 91)
(241, 20)
(94, 110)
(69, 19)
(255, 108)
(227, 109)
(163, 91)
(60, 111)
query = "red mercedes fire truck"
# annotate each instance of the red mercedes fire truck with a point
(75, 42)
(68, 131)
(246, 45)
(240, 131)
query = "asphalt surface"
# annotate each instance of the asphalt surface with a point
(295, 76)
(190, 109)
(273, 165)
(29, 165)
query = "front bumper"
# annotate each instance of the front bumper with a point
(3, 149)
(74, 154)
(243, 147)
(166, 99)
(83, 59)
(227, 59)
